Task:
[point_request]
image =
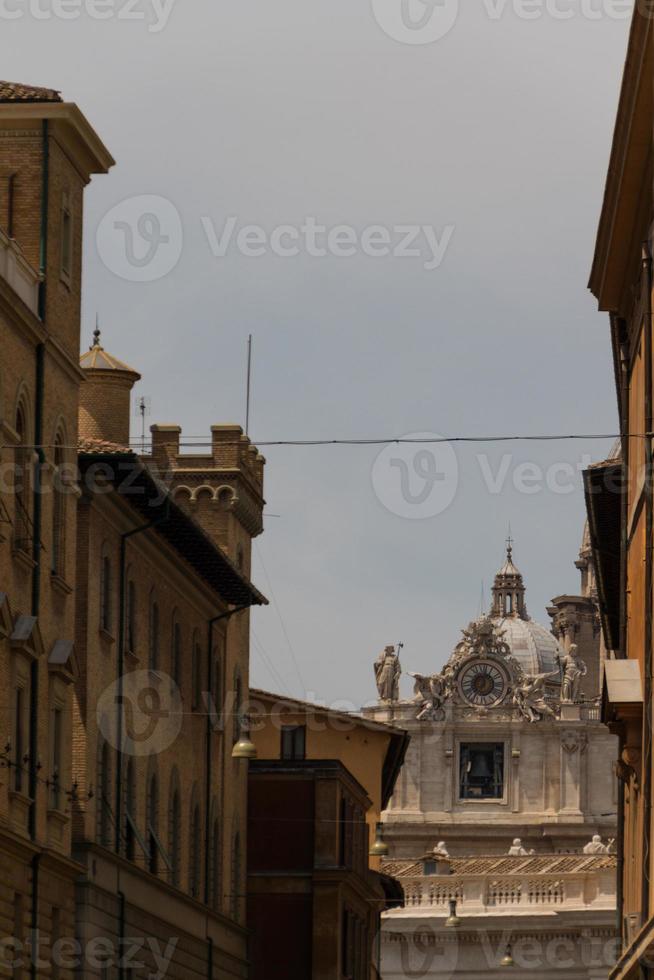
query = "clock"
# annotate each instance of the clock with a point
(483, 683)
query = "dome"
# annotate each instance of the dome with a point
(531, 644)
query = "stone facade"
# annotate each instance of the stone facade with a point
(511, 769)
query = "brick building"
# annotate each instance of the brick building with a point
(124, 625)
(316, 793)
(48, 153)
(620, 491)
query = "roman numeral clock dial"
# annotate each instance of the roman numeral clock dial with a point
(483, 684)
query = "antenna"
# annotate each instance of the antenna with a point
(247, 391)
(143, 409)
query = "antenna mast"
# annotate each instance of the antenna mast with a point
(247, 394)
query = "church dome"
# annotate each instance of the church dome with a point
(532, 645)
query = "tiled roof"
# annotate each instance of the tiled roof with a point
(101, 446)
(98, 359)
(15, 92)
(534, 864)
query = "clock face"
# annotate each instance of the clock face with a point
(483, 683)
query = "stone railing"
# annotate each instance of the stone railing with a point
(485, 894)
(16, 270)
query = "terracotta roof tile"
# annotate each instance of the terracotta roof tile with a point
(101, 446)
(15, 92)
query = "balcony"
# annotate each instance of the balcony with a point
(18, 273)
(532, 889)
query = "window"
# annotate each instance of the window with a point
(57, 565)
(66, 240)
(293, 742)
(19, 935)
(105, 593)
(355, 947)
(130, 617)
(56, 735)
(130, 811)
(104, 795)
(238, 699)
(22, 477)
(214, 866)
(20, 740)
(481, 774)
(174, 838)
(217, 690)
(194, 855)
(176, 651)
(196, 671)
(236, 878)
(153, 647)
(152, 813)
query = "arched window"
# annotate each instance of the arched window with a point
(58, 565)
(105, 591)
(153, 647)
(152, 809)
(130, 616)
(196, 672)
(103, 802)
(235, 901)
(176, 651)
(194, 852)
(22, 484)
(130, 810)
(214, 865)
(175, 835)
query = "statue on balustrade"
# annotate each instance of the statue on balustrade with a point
(387, 674)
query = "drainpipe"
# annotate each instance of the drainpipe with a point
(121, 664)
(208, 749)
(649, 530)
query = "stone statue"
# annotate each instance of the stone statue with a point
(387, 675)
(441, 850)
(595, 846)
(529, 697)
(573, 669)
(430, 692)
(517, 850)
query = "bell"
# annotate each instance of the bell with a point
(507, 959)
(479, 768)
(245, 747)
(452, 921)
(380, 847)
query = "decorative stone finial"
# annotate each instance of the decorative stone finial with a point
(96, 345)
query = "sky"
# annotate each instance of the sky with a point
(398, 200)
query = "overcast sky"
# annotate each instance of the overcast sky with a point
(495, 138)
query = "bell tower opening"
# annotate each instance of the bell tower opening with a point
(481, 773)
